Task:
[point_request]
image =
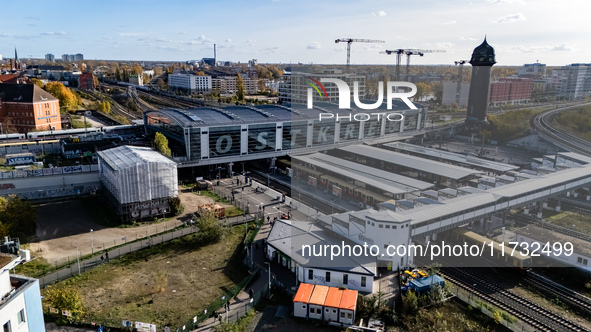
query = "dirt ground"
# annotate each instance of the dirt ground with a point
(62, 226)
(165, 285)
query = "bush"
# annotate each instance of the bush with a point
(65, 298)
(176, 207)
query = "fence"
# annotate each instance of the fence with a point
(48, 171)
(474, 302)
(74, 268)
(218, 304)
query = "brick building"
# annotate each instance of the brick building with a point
(27, 107)
(86, 81)
(510, 91)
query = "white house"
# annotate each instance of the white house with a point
(295, 245)
(20, 299)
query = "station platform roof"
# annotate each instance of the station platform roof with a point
(452, 157)
(362, 172)
(412, 162)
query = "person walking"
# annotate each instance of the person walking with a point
(107, 256)
(102, 259)
(268, 219)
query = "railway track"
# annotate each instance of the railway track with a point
(528, 220)
(566, 295)
(543, 125)
(529, 312)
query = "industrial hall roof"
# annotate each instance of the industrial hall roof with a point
(241, 114)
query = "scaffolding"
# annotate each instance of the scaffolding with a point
(139, 181)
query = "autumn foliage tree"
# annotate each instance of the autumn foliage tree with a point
(161, 143)
(67, 98)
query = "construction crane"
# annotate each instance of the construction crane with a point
(459, 63)
(408, 52)
(349, 41)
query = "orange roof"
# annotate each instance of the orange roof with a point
(349, 300)
(303, 294)
(319, 295)
(333, 298)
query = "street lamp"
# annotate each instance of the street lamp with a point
(78, 255)
(269, 269)
(91, 242)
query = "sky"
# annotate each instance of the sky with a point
(292, 31)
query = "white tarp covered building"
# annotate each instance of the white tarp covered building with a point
(139, 180)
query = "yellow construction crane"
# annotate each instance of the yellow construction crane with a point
(349, 41)
(408, 52)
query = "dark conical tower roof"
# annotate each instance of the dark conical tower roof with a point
(483, 55)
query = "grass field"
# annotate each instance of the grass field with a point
(164, 285)
(567, 219)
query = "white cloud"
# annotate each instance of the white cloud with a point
(130, 34)
(512, 18)
(273, 49)
(181, 32)
(314, 46)
(449, 22)
(228, 40)
(509, 2)
(444, 45)
(563, 47)
(462, 38)
(52, 33)
(379, 13)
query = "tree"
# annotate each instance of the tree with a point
(240, 88)
(162, 144)
(423, 90)
(176, 207)
(65, 298)
(37, 82)
(66, 97)
(17, 217)
(210, 229)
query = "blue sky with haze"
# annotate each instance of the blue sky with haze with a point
(521, 31)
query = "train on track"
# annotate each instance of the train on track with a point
(501, 254)
(40, 135)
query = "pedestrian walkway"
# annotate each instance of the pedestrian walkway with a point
(273, 209)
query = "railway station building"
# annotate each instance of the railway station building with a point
(223, 135)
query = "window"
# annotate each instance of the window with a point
(342, 315)
(394, 227)
(327, 276)
(363, 281)
(6, 327)
(310, 274)
(349, 315)
(345, 279)
(380, 226)
(21, 316)
(388, 226)
(334, 311)
(304, 306)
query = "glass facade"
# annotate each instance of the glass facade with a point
(262, 137)
(323, 132)
(294, 135)
(224, 141)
